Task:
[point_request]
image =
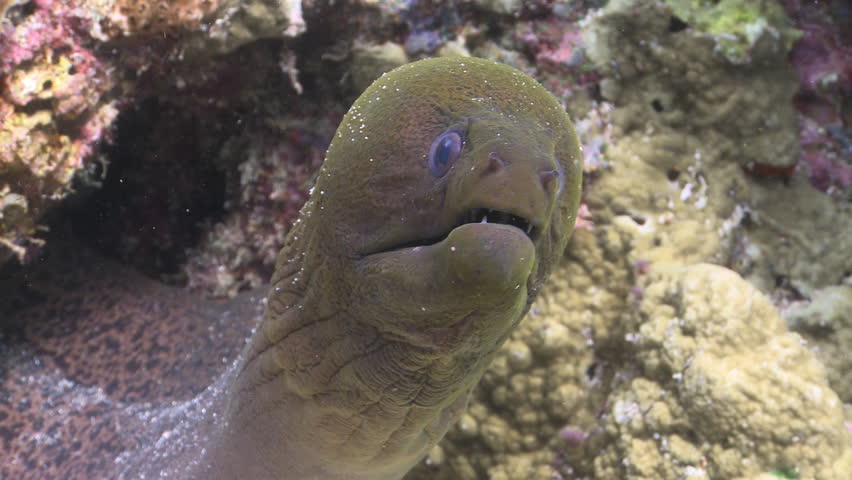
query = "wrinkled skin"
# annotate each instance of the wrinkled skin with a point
(386, 307)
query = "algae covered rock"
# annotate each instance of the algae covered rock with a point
(737, 25)
(783, 219)
(678, 78)
(370, 61)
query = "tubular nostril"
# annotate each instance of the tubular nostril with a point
(549, 179)
(495, 163)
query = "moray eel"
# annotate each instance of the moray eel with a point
(447, 195)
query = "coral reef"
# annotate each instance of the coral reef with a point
(722, 389)
(713, 132)
(735, 26)
(55, 108)
(132, 17)
(70, 66)
(683, 80)
(694, 161)
(236, 23)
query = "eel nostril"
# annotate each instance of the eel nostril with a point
(549, 178)
(495, 163)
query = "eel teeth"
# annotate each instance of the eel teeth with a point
(487, 215)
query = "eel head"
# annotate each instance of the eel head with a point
(446, 197)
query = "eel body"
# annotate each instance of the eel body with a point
(448, 193)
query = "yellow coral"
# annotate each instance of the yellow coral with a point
(39, 154)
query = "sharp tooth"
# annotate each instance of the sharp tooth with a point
(529, 228)
(484, 219)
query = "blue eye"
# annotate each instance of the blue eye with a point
(444, 152)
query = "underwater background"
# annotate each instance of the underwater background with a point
(700, 325)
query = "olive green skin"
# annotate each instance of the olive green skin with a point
(369, 348)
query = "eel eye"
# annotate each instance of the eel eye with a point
(444, 152)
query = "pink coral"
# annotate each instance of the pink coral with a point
(54, 107)
(51, 24)
(557, 47)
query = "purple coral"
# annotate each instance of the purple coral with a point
(558, 49)
(823, 59)
(573, 436)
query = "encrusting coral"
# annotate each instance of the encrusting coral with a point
(55, 109)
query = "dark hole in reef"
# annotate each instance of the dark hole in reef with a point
(658, 241)
(36, 105)
(72, 70)
(676, 24)
(595, 92)
(58, 53)
(592, 371)
(658, 107)
(790, 292)
(16, 14)
(131, 73)
(158, 187)
(638, 220)
(47, 85)
(672, 174)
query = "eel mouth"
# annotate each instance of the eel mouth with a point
(487, 215)
(479, 215)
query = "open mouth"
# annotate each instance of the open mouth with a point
(487, 215)
(478, 215)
